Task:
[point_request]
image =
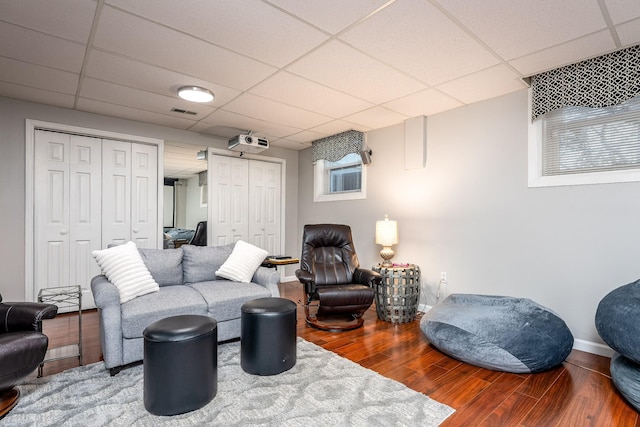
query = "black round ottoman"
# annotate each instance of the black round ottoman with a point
(180, 364)
(268, 336)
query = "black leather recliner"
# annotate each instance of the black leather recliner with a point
(22, 345)
(332, 277)
(200, 236)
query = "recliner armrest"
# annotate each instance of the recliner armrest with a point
(304, 276)
(25, 316)
(367, 277)
(307, 279)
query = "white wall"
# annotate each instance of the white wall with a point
(12, 175)
(471, 214)
(195, 213)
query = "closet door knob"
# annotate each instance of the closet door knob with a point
(63, 232)
(135, 230)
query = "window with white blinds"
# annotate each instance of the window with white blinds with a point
(578, 140)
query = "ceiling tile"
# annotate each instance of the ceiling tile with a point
(37, 48)
(339, 126)
(24, 93)
(517, 27)
(37, 76)
(623, 10)
(141, 100)
(376, 117)
(564, 54)
(158, 45)
(345, 69)
(330, 15)
(113, 110)
(250, 27)
(222, 118)
(127, 72)
(420, 40)
(629, 33)
(494, 81)
(74, 24)
(294, 90)
(306, 136)
(291, 145)
(424, 103)
(272, 111)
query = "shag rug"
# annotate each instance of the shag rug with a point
(322, 389)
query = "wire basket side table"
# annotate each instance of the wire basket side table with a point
(68, 298)
(398, 294)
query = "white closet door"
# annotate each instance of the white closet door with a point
(85, 215)
(228, 206)
(116, 192)
(144, 195)
(51, 210)
(264, 205)
(66, 209)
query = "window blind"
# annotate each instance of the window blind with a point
(580, 139)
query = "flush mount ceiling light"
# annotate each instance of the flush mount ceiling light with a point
(195, 94)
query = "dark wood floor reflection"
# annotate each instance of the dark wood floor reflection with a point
(577, 393)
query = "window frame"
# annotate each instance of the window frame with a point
(535, 164)
(321, 184)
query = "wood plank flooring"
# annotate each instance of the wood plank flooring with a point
(577, 393)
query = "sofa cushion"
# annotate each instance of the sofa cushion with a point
(139, 313)
(165, 265)
(124, 267)
(242, 263)
(224, 298)
(199, 263)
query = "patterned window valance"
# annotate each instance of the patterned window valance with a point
(335, 147)
(598, 82)
(202, 178)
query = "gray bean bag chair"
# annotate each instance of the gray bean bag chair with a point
(617, 323)
(498, 332)
(626, 377)
(617, 320)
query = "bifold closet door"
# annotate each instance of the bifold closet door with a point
(67, 209)
(228, 206)
(130, 212)
(265, 205)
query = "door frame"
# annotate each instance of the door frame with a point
(30, 128)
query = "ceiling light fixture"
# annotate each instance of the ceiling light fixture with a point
(195, 94)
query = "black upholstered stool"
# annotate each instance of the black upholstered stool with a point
(180, 364)
(268, 336)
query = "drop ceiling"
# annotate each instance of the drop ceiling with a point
(291, 70)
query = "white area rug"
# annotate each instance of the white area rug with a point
(322, 389)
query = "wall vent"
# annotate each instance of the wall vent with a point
(180, 110)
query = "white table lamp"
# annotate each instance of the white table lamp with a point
(386, 235)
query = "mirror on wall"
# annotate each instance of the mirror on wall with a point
(184, 178)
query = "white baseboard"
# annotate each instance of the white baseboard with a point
(289, 279)
(423, 308)
(593, 347)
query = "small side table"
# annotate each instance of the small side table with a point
(398, 295)
(67, 297)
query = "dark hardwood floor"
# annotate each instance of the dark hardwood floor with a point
(577, 393)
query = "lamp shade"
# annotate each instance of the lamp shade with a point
(386, 232)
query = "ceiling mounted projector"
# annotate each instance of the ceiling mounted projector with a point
(248, 144)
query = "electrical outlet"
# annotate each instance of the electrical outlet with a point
(443, 276)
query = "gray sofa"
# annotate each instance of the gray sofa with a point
(188, 285)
